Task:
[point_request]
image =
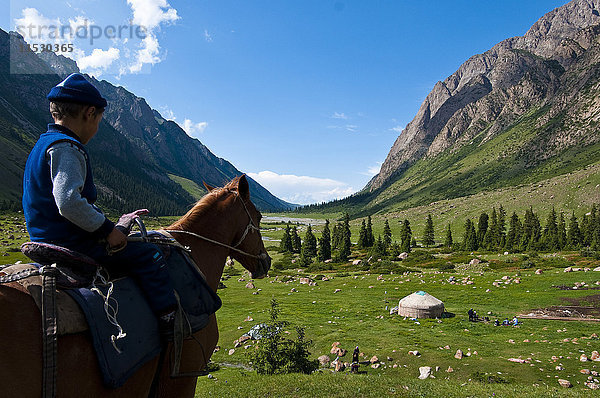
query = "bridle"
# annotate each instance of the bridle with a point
(249, 228)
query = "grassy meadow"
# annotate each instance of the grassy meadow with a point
(350, 304)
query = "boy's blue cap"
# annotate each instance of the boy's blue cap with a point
(76, 88)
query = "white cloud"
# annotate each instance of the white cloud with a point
(397, 129)
(302, 189)
(36, 28)
(192, 128)
(339, 115)
(151, 13)
(207, 36)
(98, 60)
(351, 127)
(147, 54)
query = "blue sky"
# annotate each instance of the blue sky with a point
(306, 96)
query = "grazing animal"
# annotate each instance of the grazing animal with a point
(225, 215)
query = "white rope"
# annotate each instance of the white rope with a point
(110, 309)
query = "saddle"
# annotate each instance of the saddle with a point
(59, 282)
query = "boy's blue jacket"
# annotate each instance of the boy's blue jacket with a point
(44, 222)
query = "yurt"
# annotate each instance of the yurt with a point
(420, 305)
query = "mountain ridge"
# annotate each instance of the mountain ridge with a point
(145, 147)
(496, 87)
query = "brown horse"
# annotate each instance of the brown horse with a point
(225, 215)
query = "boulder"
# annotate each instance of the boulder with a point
(374, 359)
(305, 281)
(475, 261)
(539, 271)
(568, 269)
(357, 262)
(425, 372)
(595, 356)
(375, 365)
(583, 358)
(459, 354)
(231, 352)
(592, 385)
(250, 285)
(403, 256)
(565, 383)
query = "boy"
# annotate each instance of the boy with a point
(59, 195)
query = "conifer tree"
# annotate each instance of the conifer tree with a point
(286, 242)
(296, 241)
(550, 235)
(309, 247)
(362, 236)
(562, 231)
(448, 241)
(501, 227)
(336, 236)
(324, 252)
(482, 228)
(470, 238)
(429, 234)
(574, 237)
(387, 235)
(595, 228)
(379, 249)
(491, 239)
(513, 238)
(370, 238)
(405, 236)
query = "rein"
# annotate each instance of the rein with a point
(250, 227)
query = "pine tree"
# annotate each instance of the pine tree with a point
(470, 238)
(429, 234)
(513, 238)
(405, 236)
(387, 235)
(370, 238)
(550, 235)
(531, 231)
(482, 228)
(379, 249)
(562, 231)
(501, 227)
(362, 236)
(324, 252)
(336, 237)
(574, 237)
(595, 228)
(491, 239)
(296, 241)
(448, 241)
(309, 247)
(286, 242)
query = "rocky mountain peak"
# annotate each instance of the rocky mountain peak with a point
(491, 90)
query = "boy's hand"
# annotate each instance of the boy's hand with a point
(116, 240)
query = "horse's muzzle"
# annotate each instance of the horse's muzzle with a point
(262, 267)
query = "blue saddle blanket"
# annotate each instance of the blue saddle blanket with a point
(121, 358)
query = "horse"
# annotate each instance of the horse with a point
(223, 223)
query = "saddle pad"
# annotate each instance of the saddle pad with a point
(69, 317)
(142, 342)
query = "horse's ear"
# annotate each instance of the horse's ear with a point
(243, 187)
(208, 187)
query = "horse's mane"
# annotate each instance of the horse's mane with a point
(206, 202)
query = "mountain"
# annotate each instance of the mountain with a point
(140, 158)
(523, 111)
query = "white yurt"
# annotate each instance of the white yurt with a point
(420, 305)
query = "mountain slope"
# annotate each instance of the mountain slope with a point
(136, 152)
(526, 110)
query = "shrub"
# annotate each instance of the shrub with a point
(275, 354)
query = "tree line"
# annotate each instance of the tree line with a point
(490, 232)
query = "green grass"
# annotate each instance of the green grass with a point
(189, 186)
(357, 315)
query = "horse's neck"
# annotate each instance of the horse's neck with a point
(209, 257)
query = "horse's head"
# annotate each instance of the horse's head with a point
(247, 245)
